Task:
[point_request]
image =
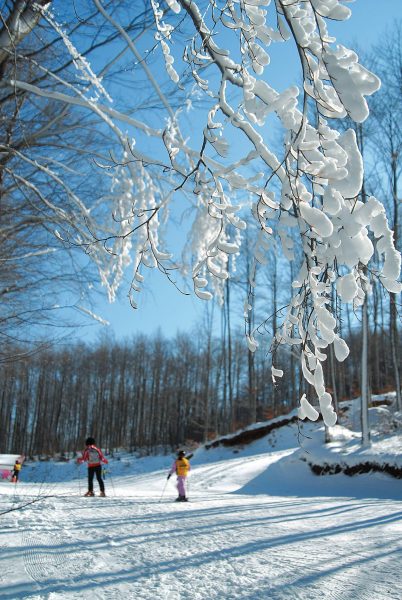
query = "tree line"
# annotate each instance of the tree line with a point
(154, 392)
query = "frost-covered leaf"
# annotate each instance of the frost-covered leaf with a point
(173, 5)
(228, 247)
(319, 380)
(346, 287)
(316, 219)
(350, 185)
(306, 410)
(203, 294)
(200, 282)
(251, 343)
(329, 416)
(341, 349)
(351, 80)
(392, 264)
(395, 287)
(276, 373)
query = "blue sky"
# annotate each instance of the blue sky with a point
(161, 306)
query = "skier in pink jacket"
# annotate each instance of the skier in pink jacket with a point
(94, 457)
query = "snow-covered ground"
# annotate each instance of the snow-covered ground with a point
(259, 525)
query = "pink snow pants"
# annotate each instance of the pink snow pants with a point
(181, 480)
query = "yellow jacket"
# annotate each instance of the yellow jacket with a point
(182, 467)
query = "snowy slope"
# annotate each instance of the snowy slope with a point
(259, 525)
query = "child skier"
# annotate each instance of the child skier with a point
(181, 467)
(16, 472)
(94, 457)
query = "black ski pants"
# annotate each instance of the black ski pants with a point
(98, 472)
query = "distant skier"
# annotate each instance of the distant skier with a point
(94, 457)
(181, 467)
(16, 471)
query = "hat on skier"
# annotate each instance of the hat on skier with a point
(89, 441)
(181, 453)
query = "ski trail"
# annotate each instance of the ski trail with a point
(216, 547)
(232, 541)
(43, 557)
(47, 548)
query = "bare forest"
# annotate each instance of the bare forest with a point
(150, 393)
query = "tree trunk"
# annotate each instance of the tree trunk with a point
(392, 297)
(364, 379)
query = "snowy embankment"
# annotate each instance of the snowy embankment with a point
(259, 525)
(344, 453)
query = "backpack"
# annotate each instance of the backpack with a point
(93, 455)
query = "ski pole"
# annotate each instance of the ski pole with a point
(111, 481)
(79, 478)
(163, 492)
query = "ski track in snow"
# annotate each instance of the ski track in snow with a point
(45, 546)
(224, 544)
(235, 548)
